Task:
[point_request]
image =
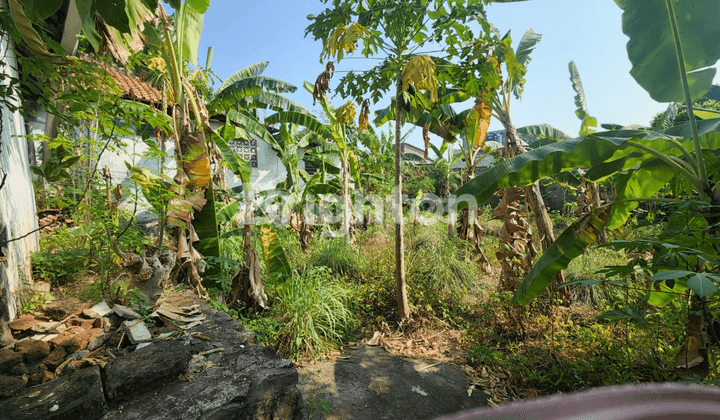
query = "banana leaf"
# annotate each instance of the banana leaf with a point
(653, 51)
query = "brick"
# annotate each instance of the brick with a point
(32, 350)
(23, 323)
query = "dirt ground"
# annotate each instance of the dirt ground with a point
(368, 383)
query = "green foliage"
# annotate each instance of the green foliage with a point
(653, 49)
(312, 307)
(60, 266)
(440, 271)
(337, 255)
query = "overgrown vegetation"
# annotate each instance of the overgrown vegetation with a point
(629, 310)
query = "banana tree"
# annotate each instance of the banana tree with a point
(670, 57)
(337, 132)
(588, 125)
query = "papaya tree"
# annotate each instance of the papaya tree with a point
(672, 46)
(393, 31)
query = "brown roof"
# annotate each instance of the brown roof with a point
(132, 87)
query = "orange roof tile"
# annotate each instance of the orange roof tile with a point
(132, 87)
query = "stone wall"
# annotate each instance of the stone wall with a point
(17, 200)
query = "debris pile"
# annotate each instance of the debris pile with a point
(178, 359)
(71, 335)
(52, 219)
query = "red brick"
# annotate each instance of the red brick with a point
(80, 341)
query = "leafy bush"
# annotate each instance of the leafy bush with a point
(60, 266)
(312, 309)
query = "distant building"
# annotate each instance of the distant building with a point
(409, 149)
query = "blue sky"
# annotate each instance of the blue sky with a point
(586, 31)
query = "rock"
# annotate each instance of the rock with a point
(43, 327)
(23, 323)
(63, 308)
(6, 337)
(47, 377)
(141, 346)
(98, 340)
(9, 360)
(98, 311)
(136, 331)
(32, 350)
(36, 374)
(144, 369)
(107, 324)
(125, 312)
(55, 358)
(272, 392)
(78, 397)
(81, 340)
(60, 329)
(99, 323)
(242, 391)
(10, 386)
(81, 354)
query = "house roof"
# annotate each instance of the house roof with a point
(132, 87)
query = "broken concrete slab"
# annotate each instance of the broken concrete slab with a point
(78, 397)
(125, 312)
(99, 310)
(136, 331)
(143, 369)
(43, 327)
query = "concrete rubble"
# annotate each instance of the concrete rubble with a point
(103, 362)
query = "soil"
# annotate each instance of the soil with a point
(368, 383)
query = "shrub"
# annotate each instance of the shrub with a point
(60, 266)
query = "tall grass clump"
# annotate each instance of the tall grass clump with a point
(313, 312)
(336, 254)
(440, 269)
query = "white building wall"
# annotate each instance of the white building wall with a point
(17, 201)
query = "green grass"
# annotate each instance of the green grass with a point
(336, 254)
(313, 312)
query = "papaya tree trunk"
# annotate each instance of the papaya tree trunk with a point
(402, 300)
(348, 230)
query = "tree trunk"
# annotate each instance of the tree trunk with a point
(533, 198)
(347, 204)
(402, 300)
(247, 285)
(595, 194)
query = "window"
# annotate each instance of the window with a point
(246, 149)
